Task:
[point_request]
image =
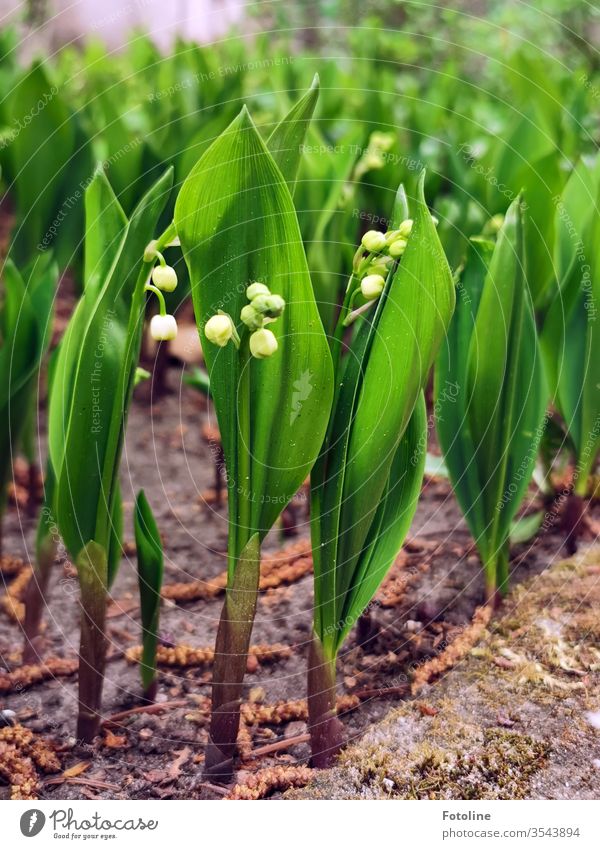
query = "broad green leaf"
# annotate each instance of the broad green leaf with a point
(570, 339)
(529, 161)
(451, 400)
(411, 323)
(237, 224)
(38, 154)
(286, 140)
(392, 521)
(380, 380)
(150, 576)
(96, 369)
(490, 426)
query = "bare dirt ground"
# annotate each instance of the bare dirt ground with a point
(509, 721)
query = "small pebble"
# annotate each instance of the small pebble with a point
(388, 784)
(8, 717)
(593, 719)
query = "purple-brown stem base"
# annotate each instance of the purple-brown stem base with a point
(326, 730)
(573, 521)
(231, 656)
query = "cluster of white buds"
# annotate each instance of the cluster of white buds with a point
(262, 309)
(382, 250)
(163, 326)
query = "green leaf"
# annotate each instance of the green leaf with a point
(491, 426)
(525, 528)
(38, 154)
(95, 370)
(570, 337)
(286, 140)
(392, 521)
(379, 383)
(237, 224)
(150, 577)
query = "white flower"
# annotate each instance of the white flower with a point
(372, 286)
(262, 344)
(397, 248)
(255, 289)
(373, 241)
(219, 330)
(163, 328)
(164, 278)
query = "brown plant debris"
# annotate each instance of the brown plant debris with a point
(12, 602)
(22, 754)
(282, 712)
(457, 649)
(266, 781)
(27, 676)
(183, 655)
(10, 566)
(281, 567)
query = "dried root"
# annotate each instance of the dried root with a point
(21, 755)
(12, 602)
(268, 780)
(457, 649)
(188, 656)
(27, 676)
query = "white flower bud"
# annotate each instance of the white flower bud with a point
(164, 278)
(404, 230)
(219, 330)
(150, 251)
(373, 241)
(372, 286)
(262, 344)
(397, 248)
(255, 289)
(251, 317)
(270, 306)
(163, 328)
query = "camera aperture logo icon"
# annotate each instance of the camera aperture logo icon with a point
(32, 822)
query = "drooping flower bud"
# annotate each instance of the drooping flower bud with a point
(219, 330)
(372, 286)
(397, 248)
(373, 241)
(255, 289)
(164, 278)
(251, 317)
(163, 328)
(263, 344)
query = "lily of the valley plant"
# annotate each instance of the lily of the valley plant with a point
(571, 336)
(91, 391)
(366, 482)
(262, 337)
(25, 324)
(491, 394)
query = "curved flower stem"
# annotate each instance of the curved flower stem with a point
(149, 287)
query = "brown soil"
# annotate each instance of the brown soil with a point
(430, 597)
